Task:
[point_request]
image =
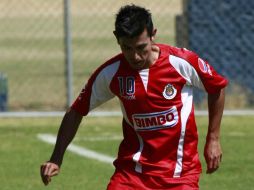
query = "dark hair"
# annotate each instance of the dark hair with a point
(131, 20)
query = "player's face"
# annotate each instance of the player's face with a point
(137, 50)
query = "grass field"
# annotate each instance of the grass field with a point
(22, 153)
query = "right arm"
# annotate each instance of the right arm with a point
(95, 92)
(66, 133)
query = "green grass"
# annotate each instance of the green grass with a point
(22, 153)
(237, 167)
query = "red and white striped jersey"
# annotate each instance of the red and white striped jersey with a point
(159, 129)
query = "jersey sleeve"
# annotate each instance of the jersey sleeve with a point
(199, 73)
(96, 91)
(213, 82)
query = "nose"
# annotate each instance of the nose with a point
(135, 56)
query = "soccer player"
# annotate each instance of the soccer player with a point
(154, 83)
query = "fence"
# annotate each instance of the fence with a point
(32, 48)
(222, 32)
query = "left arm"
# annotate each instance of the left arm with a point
(212, 150)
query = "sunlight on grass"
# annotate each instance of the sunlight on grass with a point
(22, 153)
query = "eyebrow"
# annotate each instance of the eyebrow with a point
(138, 46)
(141, 45)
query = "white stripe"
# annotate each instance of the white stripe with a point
(100, 88)
(136, 156)
(185, 113)
(51, 139)
(187, 71)
(144, 74)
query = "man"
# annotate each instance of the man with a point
(154, 83)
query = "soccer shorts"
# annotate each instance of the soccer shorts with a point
(125, 180)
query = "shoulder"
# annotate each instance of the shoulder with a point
(111, 65)
(112, 61)
(181, 53)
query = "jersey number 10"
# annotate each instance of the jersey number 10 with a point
(126, 85)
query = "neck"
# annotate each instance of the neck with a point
(155, 54)
(153, 57)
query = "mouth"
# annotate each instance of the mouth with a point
(137, 65)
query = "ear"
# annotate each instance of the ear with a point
(114, 32)
(153, 34)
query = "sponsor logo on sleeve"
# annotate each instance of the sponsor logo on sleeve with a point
(155, 120)
(169, 92)
(204, 67)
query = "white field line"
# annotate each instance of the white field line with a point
(109, 113)
(56, 114)
(51, 139)
(102, 138)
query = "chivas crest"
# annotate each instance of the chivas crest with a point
(169, 92)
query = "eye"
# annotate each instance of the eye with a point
(141, 47)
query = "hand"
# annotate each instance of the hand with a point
(213, 155)
(48, 170)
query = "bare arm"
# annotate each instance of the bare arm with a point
(212, 150)
(66, 133)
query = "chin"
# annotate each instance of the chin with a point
(137, 67)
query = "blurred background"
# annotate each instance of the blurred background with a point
(34, 70)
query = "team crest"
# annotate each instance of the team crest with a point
(169, 92)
